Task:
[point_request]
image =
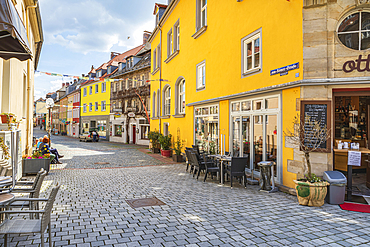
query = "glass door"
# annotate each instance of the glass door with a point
(246, 139)
(236, 136)
(258, 148)
(271, 140)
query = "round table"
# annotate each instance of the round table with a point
(5, 198)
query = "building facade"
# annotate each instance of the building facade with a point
(240, 86)
(130, 99)
(20, 47)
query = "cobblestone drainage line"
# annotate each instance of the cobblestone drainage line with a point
(101, 163)
(144, 202)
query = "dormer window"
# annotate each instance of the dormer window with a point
(109, 69)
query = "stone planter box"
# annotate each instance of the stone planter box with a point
(177, 158)
(33, 166)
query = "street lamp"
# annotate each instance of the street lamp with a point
(49, 106)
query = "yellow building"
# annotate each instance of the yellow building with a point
(214, 79)
(20, 48)
(95, 107)
(70, 114)
(238, 73)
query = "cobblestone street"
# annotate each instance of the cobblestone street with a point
(90, 209)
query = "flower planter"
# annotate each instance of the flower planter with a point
(166, 153)
(33, 166)
(4, 119)
(156, 150)
(311, 194)
(177, 158)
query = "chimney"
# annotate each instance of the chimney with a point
(113, 54)
(92, 67)
(63, 84)
(146, 36)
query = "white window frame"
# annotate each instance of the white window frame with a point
(85, 91)
(181, 94)
(169, 43)
(203, 9)
(84, 108)
(251, 39)
(103, 87)
(90, 106)
(159, 56)
(96, 106)
(96, 88)
(134, 82)
(103, 106)
(154, 104)
(155, 59)
(176, 36)
(90, 88)
(167, 101)
(201, 75)
(142, 80)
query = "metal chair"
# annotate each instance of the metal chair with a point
(211, 167)
(189, 162)
(237, 169)
(21, 226)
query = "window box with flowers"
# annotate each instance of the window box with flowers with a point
(33, 164)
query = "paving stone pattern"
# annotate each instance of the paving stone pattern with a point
(90, 210)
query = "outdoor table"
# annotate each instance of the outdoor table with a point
(4, 199)
(6, 181)
(223, 159)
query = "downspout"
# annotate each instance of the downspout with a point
(28, 121)
(160, 80)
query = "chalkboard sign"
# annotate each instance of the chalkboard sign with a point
(315, 111)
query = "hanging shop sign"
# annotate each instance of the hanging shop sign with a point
(284, 70)
(360, 64)
(131, 114)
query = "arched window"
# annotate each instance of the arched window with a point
(153, 113)
(181, 98)
(167, 101)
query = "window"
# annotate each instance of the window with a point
(158, 102)
(85, 91)
(103, 87)
(201, 75)
(103, 106)
(84, 108)
(181, 98)
(154, 59)
(96, 106)
(354, 31)
(90, 106)
(167, 101)
(144, 131)
(159, 56)
(169, 43)
(203, 13)
(121, 85)
(90, 90)
(153, 114)
(206, 127)
(134, 82)
(127, 84)
(143, 80)
(118, 130)
(177, 36)
(96, 88)
(251, 46)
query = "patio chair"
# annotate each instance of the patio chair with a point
(211, 167)
(237, 169)
(189, 162)
(198, 166)
(28, 182)
(22, 226)
(34, 192)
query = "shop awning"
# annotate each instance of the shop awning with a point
(13, 35)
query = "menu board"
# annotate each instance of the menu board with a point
(315, 111)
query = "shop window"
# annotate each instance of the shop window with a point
(354, 31)
(118, 130)
(235, 106)
(206, 127)
(246, 106)
(102, 129)
(272, 103)
(251, 53)
(144, 132)
(257, 104)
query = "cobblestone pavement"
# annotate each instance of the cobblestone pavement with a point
(91, 210)
(87, 154)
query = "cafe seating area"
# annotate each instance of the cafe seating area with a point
(216, 166)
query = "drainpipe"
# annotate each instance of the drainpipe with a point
(28, 81)
(160, 80)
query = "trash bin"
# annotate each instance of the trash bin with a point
(337, 187)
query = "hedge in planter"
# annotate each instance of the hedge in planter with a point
(33, 164)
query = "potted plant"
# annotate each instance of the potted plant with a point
(165, 142)
(177, 148)
(7, 117)
(309, 136)
(153, 137)
(32, 164)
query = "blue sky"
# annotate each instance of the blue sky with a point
(82, 33)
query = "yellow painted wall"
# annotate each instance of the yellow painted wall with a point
(95, 97)
(289, 105)
(220, 46)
